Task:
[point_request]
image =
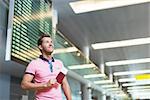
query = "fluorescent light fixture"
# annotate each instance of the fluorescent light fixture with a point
(65, 50)
(121, 95)
(84, 66)
(103, 82)
(122, 43)
(109, 86)
(127, 80)
(92, 5)
(145, 82)
(113, 89)
(94, 75)
(143, 93)
(127, 62)
(131, 72)
(137, 90)
(138, 87)
(131, 80)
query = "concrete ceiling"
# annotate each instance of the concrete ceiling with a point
(122, 23)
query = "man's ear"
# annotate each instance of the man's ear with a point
(40, 47)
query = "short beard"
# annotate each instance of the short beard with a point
(48, 53)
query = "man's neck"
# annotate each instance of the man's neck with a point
(48, 57)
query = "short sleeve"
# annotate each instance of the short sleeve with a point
(31, 68)
(64, 69)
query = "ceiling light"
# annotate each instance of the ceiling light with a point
(138, 87)
(113, 89)
(145, 82)
(132, 79)
(92, 5)
(94, 75)
(141, 94)
(126, 62)
(122, 43)
(65, 50)
(121, 95)
(103, 82)
(109, 86)
(137, 90)
(131, 72)
(84, 66)
(127, 79)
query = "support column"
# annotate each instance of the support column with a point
(102, 66)
(4, 87)
(86, 92)
(86, 52)
(103, 96)
(112, 98)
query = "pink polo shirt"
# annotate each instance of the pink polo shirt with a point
(42, 74)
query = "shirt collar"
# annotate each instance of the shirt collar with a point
(41, 57)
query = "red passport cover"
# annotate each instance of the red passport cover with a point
(60, 77)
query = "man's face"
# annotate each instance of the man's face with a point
(47, 45)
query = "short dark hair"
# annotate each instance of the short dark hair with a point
(41, 37)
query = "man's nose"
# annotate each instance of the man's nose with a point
(50, 44)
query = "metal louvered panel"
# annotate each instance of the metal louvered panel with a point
(29, 18)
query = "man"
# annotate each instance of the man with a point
(40, 74)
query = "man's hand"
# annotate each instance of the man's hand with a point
(50, 83)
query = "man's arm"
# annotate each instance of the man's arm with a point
(66, 89)
(27, 83)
